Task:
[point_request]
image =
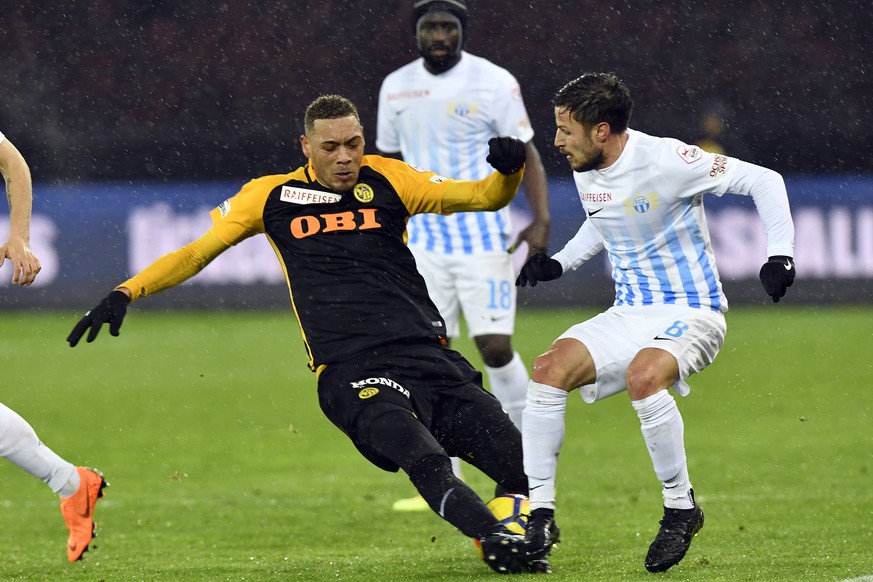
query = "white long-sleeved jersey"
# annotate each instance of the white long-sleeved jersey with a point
(442, 123)
(646, 211)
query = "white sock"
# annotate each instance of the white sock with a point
(663, 431)
(541, 437)
(20, 445)
(509, 384)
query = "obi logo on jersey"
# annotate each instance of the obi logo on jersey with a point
(351, 220)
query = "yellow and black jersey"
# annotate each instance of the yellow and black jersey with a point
(353, 282)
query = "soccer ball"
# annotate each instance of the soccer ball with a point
(512, 511)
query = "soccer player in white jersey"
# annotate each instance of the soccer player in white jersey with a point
(78, 487)
(643, 196)
(438, 112)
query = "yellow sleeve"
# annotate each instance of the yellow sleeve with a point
(234, 220)
(425, 191)
(175, 267)
(492, 193)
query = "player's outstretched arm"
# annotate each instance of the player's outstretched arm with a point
(507, 155)
(168, 271)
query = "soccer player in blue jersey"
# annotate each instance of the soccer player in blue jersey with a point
(643, 197)
(438, 112)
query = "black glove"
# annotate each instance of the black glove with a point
(539, 267)
(111, 310)
(506, 154)
(777, 275)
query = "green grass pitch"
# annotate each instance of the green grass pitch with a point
(222, 467)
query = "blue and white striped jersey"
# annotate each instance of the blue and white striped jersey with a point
(646, 211)
(443, 123)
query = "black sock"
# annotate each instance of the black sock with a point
(451, 498)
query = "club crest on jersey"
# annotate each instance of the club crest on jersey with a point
(304, 196)
(641, 204)
(463, 109)
(689, 154)
(363, 193)
(368, 392)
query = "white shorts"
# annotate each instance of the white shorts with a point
(613, 338)
(481, 286)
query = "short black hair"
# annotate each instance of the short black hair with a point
(456, 8)
(328, 107)
(596, 97)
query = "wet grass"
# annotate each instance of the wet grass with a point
(222, 467)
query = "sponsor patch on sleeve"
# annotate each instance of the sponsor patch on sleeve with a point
(719, 166)
(224, 208)
(689, 154)
(435, 179)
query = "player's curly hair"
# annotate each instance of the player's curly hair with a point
(328, 107)
(596, 97)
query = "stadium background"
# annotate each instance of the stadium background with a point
(138, 116)
(126, 108)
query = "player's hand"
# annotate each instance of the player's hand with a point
(25, 265)
(777, 275)
(536, 235)
(111, 310)
(506, 154)
(539, 267)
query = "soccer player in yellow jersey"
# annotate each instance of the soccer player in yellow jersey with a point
(372, 335)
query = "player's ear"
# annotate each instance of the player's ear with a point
(306, 147)
(602, 131)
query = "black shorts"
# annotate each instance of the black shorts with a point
(434, 383)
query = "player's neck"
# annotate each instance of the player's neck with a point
(615, 149)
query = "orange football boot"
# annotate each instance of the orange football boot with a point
(78, 511)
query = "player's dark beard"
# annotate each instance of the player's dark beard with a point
(592, 164)
(443, 63)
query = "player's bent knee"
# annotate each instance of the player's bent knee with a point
(643, 381)
(392, 432)
(550, 369)
(431, 467)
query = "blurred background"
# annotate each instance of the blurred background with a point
(197, 97)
